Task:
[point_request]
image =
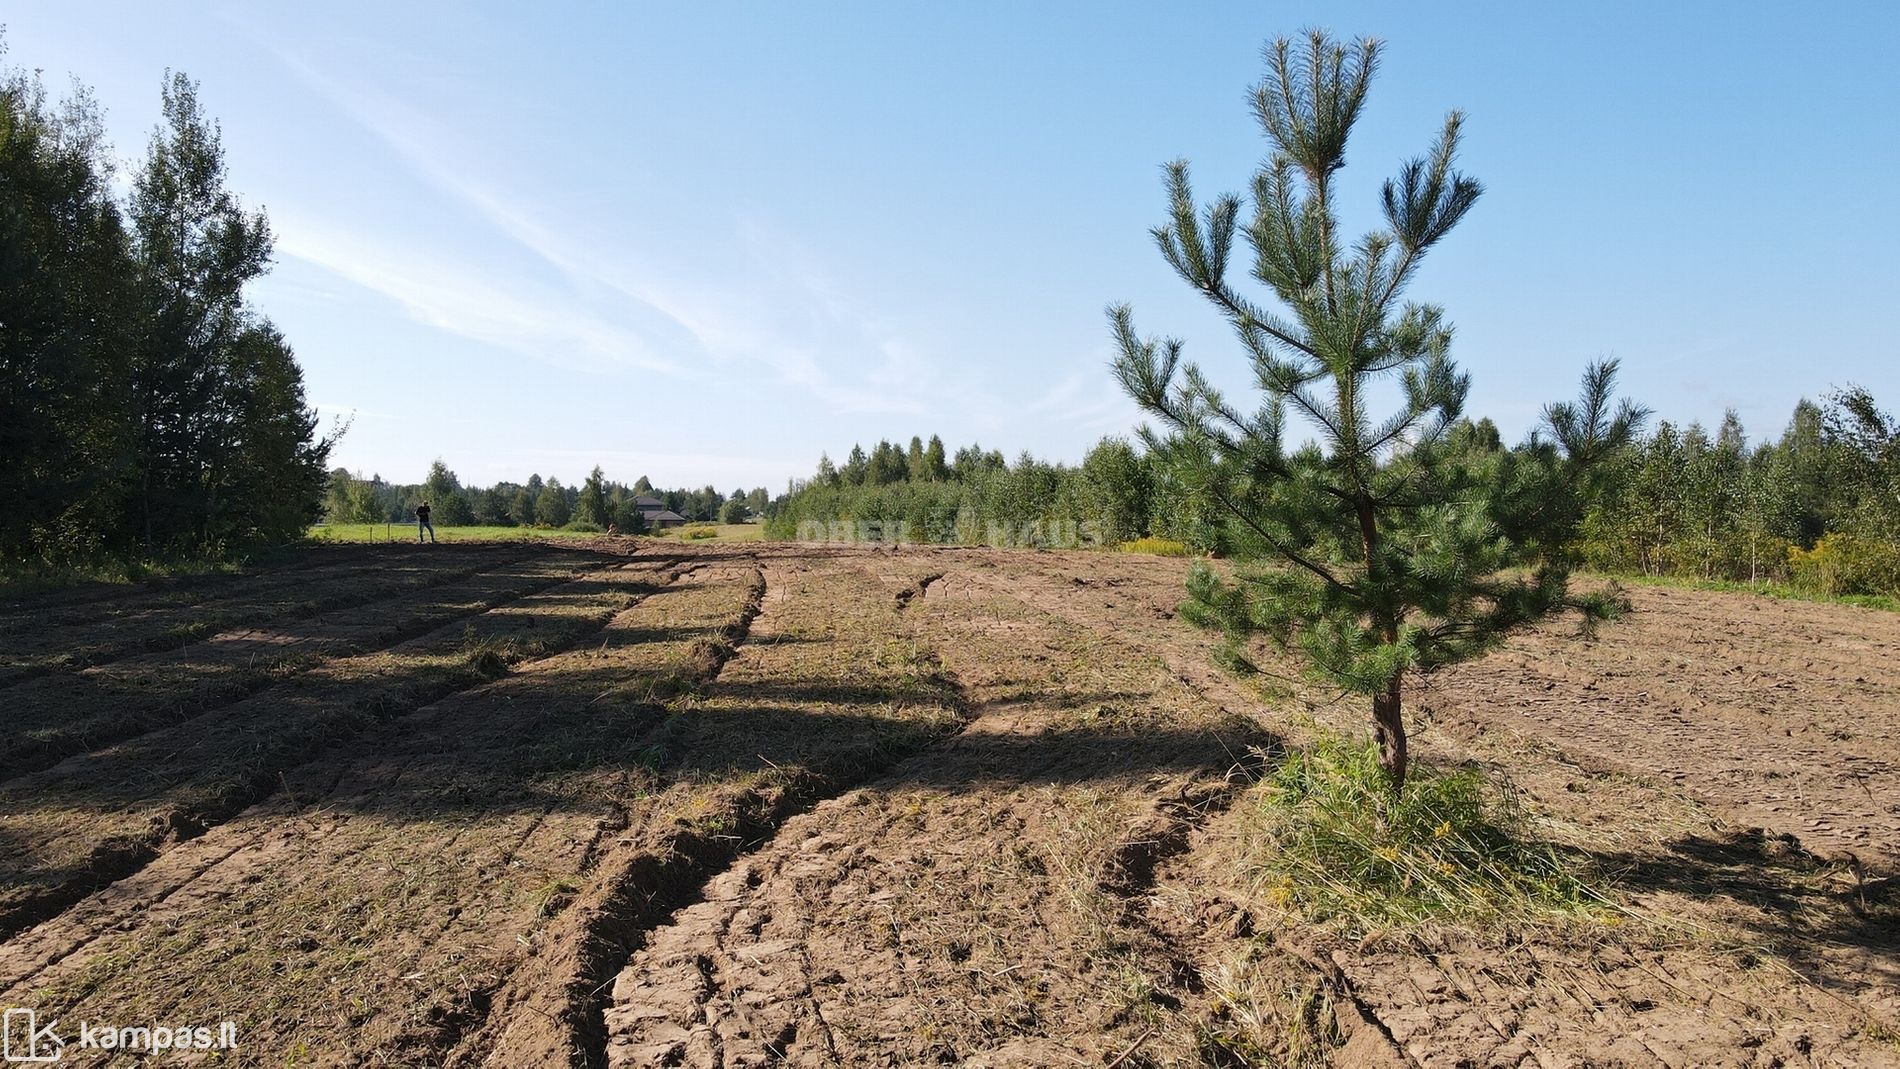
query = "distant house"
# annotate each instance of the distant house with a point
(655, 513)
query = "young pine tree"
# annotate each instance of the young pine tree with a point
(1395, 541)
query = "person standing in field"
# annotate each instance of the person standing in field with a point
(422, 522)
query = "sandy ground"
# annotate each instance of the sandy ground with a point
(634, 803)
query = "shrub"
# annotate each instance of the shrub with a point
(1331, 841)
(1160, 547)
(583, 526)
(1844, 564)
(696, 533)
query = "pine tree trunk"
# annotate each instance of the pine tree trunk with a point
(1388, 730)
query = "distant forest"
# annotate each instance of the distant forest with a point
(146, 409)
(1817, 506)
(592, 505)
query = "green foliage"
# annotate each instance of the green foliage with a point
(550, 505)
(145, 409)
(734, 511)
(1845, 564)
(979, 499)
(1117, 490)
(1393, 542)
(521, 503)
(1684, 505)
(349, 499)
(592, 505)
(448, 506)
(1327, 838)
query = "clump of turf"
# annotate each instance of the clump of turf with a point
(1329, 840)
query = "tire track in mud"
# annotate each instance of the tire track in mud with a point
(98, 919)
(630, 895)
(26, 898)
(456, 808)
(563, 996)
(167, 591)
(209, 624)
(738, 976)
(132, 610)
(1747, 705)
(130, 698)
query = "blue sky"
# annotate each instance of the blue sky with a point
(703, 242)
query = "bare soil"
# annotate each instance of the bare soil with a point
(632, 803)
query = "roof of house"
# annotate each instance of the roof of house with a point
(644, 502)
(664, 516)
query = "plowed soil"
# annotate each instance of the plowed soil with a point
(631, 804)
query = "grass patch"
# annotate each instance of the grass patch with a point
(23, 578)
(1765, 588)
(723, 532)
(1330, 842)
(406, 532)
(1258, 1016)
(1159, 547)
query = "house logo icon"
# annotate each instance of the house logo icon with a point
(25, 1042)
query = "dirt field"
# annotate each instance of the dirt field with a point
(648, 803)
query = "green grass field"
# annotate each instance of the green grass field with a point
(1765, 588)
(406, 532)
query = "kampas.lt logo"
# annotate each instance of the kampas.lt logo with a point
(26, 1041)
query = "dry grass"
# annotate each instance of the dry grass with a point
(1328, 841)
(1156, 547)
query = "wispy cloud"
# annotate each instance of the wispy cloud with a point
(789, 314)
(441, 293)
(1086, 400)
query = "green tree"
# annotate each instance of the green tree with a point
(521, 506)
(1867, 448)
(936, 467)
(916, 463)
(887, 465)
(263, 469)
(492, 506)
(196, 249)
(1390, 543)
(1116, 490)
(349, 499)
(856, 466)
(443, 491)
(827, 471)
(550, 505)
(1811, 470)
(68, 312)
(592, 506)
(734, 511)
(1770, 519)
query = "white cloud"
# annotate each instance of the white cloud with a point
(761, 312)
(441, 293)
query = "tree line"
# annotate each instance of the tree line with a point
(593, 504)
(1817, 506)
(977, 497)
(146, 408)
